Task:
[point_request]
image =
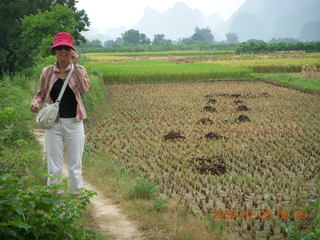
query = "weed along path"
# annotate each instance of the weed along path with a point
(109, 218)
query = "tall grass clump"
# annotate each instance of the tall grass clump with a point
(143, 189)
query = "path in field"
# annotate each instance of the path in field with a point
(108, 216)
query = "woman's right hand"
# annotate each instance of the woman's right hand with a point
(35, 107)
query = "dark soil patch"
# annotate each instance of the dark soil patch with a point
(173, 135)
(215, 168)
(209, 109)
(238, 102)
(235, 95)
(243, 108)
(243, 118)
(205, 166)
(212, 100)
(212, 135)
(206, 121)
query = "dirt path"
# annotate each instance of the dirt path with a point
(108, 216)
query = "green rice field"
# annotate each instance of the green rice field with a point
(165, 71)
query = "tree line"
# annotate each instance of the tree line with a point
(133, 39)
(202, 39)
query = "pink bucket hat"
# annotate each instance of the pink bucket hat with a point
(63, 38)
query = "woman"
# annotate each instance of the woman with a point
(67, 131)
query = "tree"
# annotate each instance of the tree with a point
(203, 35)
(159, 40)
(252, 46)
(283, 40)
(42, 27)
(232, 38)
(119, 42)
(95, 43)
(133, 37)
(109, 44)
(13, 51)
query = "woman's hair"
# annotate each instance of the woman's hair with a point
(52, 51)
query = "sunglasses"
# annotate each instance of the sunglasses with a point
(62, 47)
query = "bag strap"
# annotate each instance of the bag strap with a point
(65, 84)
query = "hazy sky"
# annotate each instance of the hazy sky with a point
(105, 14)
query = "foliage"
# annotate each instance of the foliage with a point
(14, 113)
(16, 50)
(133, 37)
(232, 38)
(39, 30)
(38, 212)
(203, 35)
(160, 40)
(95, 43)
(259, 46)
(143, 189)
(159, 205)
(283, 40)
(294, 232)
(118, 47)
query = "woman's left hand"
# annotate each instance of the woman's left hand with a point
(74, 56)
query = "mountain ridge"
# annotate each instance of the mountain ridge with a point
(254, 19)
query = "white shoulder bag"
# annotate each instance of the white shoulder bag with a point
(48, 113)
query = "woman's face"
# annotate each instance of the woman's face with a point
(62, 52)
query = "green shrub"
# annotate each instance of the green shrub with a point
(143, 189)
(159, 205)
(311, 225)
(38, 212)
(14, 115)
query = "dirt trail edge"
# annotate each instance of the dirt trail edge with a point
(108, 216)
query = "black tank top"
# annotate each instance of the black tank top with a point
(68, 103)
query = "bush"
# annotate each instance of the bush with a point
(14, 115)
(159, 205)
(293, 230)
(143, 189)
(39, 213)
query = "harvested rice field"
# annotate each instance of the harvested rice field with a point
(243, 152)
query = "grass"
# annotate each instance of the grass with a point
(165, 71)
(287, 80)
(158, 218)
(269, 65)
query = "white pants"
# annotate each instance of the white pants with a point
(68, 134)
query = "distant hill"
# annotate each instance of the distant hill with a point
(266, 19)
(176, 22)
(255, 19)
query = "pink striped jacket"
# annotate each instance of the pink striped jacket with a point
(78, 82)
